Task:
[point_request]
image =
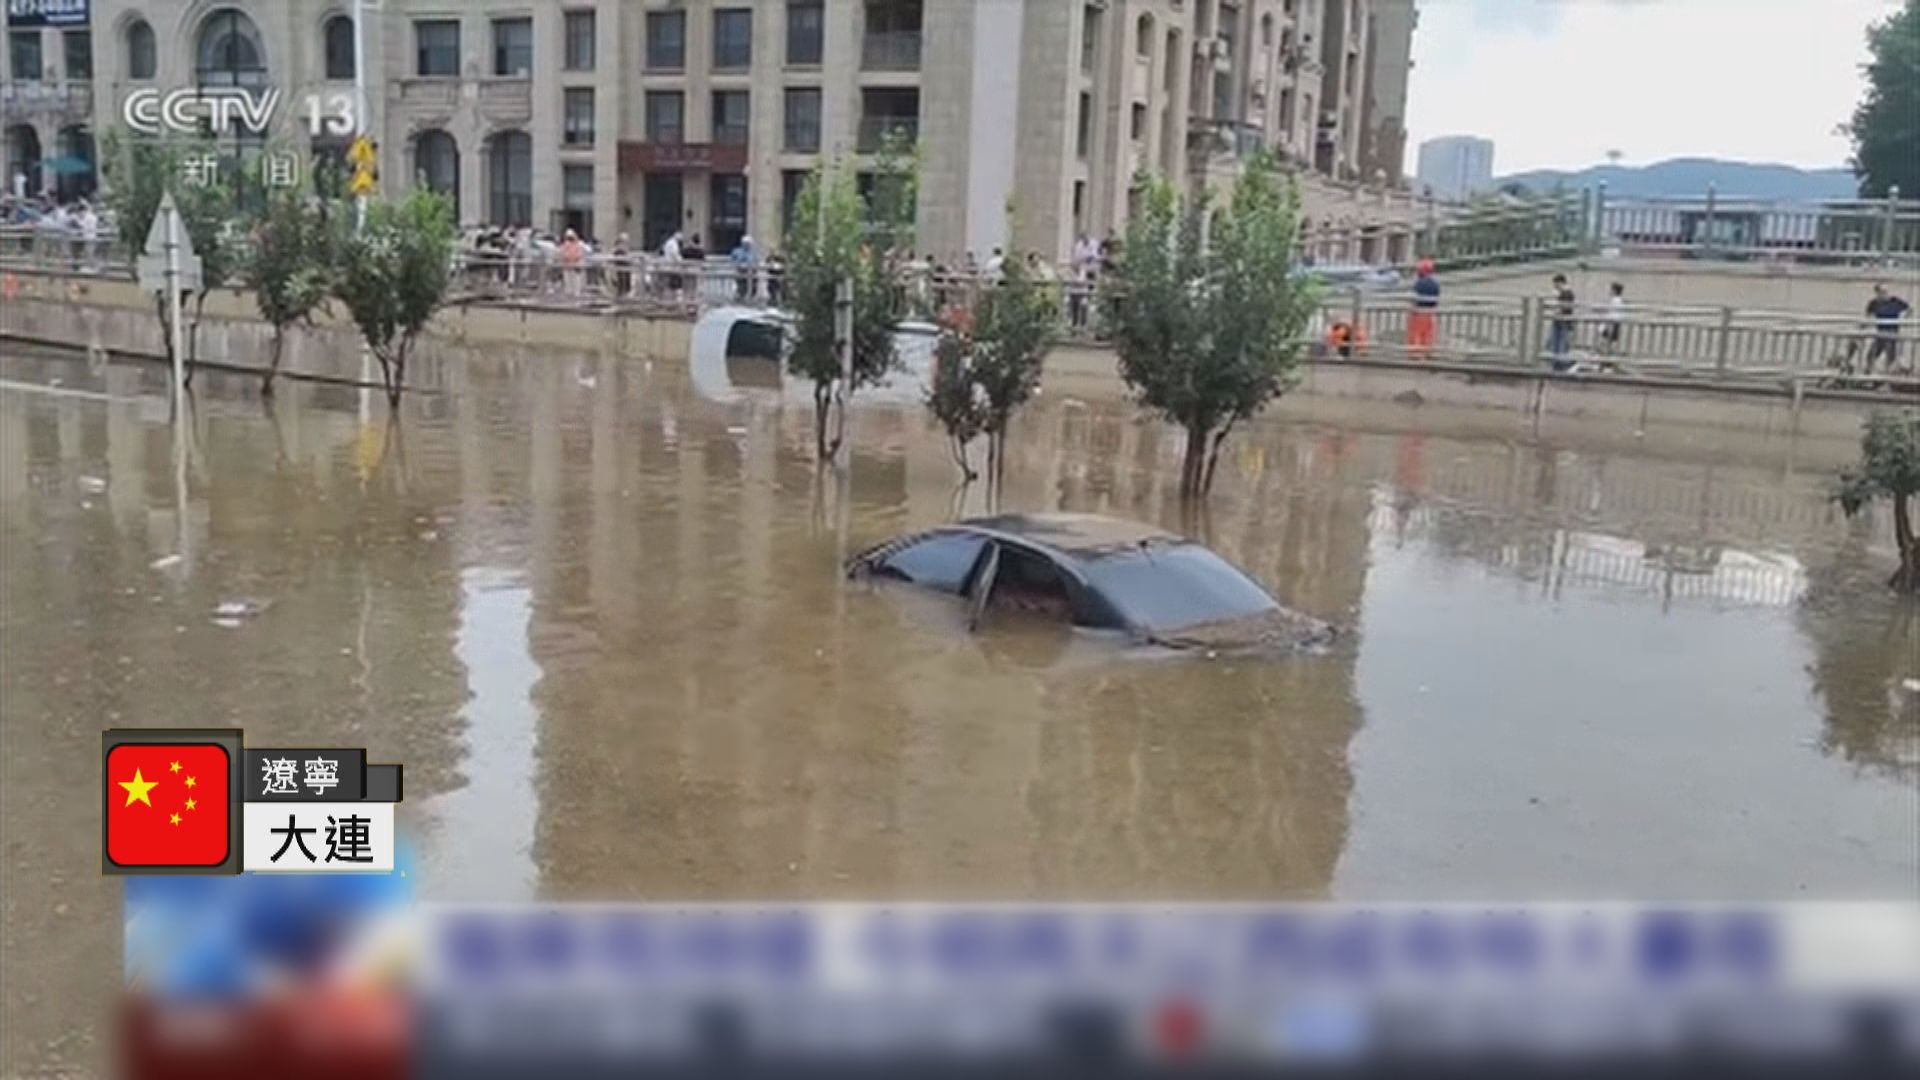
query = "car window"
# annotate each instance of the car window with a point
(1166, 587)
(938, 561)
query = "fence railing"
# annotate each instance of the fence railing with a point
(1710, 343)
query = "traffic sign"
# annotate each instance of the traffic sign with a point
(153, 267)
(361, 153)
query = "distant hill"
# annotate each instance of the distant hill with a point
(1690, 176)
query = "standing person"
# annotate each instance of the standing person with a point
(1886, 310)
(1426, 306)
(1086, 266)
(571, 255)
(995, 263)
(744, 260)
(88, 224)
(696, 255)
(670, 253)
(776, 274)
(1560, 338)
(1616, 315)
(622, 261)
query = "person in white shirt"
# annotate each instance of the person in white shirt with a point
(88, 225)
(1616, 315)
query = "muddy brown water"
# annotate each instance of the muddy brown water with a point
(599, 620)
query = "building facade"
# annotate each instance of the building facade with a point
(1456, 166)
(1031, 118)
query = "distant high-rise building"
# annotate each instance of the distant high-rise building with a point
(1456, 166)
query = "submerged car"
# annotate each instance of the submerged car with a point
(1095, 572)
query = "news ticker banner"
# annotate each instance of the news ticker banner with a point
(200, 801)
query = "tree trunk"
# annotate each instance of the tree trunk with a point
(1213, 458)
(960, 457)
(822, 402)
(399, 380)
(273, 361)
(1907, 578)
(1193, 465)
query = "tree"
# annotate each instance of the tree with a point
(1208, 316)
(1886, 124)
(1013, 328)
(955, 399)
(392, 276)
(290, 269)
(1889, 469)
(825, 248)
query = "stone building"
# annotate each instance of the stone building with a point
(643, 116)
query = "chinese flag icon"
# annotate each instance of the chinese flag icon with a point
(168, 806)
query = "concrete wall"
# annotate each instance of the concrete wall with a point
(116, 316)
(1754, 287)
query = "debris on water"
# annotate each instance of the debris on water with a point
(429, 534)
(93, 484)
(86, 504)
(164, 561)
(1409, 397)
(1533, 800)
(588, 381)
(238, 609)
(736, 430)
(1910, 685)
(227, 623)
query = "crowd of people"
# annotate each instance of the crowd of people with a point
(73, 227)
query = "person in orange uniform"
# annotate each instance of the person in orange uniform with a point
(1426, 306)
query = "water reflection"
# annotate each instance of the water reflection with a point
(600, 620)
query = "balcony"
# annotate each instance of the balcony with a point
(1210, 140)
(875, 130)
(428, 93)
(506, 99)
(890, 50)
(22, 98)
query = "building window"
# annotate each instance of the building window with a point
(732, 38)
(1089, 38)
(338, 35)
(1083, 126)
(1170, 78)
(510, 178)
(792, 182)
(666, 112)
(580, 44)
(79, 53)
(728, 222)
(1079, 205)
(892, 38)
(1137, 128)
(513, 47)
(888, 114)
(23, 50)
(1143, 38)
(141, 57)
(228, 51)
(436, 44)
(803, 121)
(732, 113)
(666, 40)
(576, 199)
(436, 165)
(578, 121)
(806, 33)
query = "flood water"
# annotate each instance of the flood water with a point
(599, 619)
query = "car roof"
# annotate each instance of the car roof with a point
(1076, 535)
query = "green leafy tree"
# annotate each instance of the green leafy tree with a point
(955, 399)
(1886, 124)
(1014, 324)
(290, 269)
(825, 247)
(1208, 316)
(1889, 469)
(392, 275)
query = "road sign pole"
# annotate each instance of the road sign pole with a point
(175, 339)
(359, 98)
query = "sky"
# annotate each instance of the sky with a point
(1559, 83)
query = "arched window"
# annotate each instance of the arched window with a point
(436, 165)
(228, 51)
(338, 33)
(140, 51)
(23, 159)
(1143, 37)
(510, 178)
